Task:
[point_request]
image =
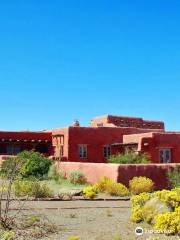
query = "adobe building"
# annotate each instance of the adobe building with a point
(106, 135)
(11, 143)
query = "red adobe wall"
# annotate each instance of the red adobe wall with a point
(26, 140)
(165, 140)
(95, 138)
(151, 143)
(25, 135)
(55, 141)
(122, 121)
(120, 172)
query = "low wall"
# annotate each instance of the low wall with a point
(120, 172)
(4, 157)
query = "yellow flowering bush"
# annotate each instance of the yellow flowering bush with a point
(169, 221)
(138, 202)
(136, 214)
(162, 209)
(117, 189)
(90, 192)
(106, 185)
(74, 238)
(103, 184)
(141, 184)
(172, 198)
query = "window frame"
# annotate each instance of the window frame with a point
(83, 151)
(164, 151)
(106, 151)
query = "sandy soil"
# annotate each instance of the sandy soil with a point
(90, 220)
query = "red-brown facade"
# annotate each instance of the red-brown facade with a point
(106, 135)
(12, 143)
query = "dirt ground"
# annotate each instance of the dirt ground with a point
(90, 220)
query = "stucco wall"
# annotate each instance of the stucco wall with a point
(95, 139)
(119, 172)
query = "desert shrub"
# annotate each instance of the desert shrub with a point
(7, 235)
(55, 175)
(129, 158)
(117, 237)
(35, 189)
(173, 176)
(8, 167)
(162, 209)
(29, 221)
(117, 189)
(65, 196)
(136, 214)
(141, 184)
(22, 187)
(152, 208)
(153, 238)
(169, 221)
(73, 238)
(107, 185)
(172, 198)
(103, 183)
(138, 202)
(77, 177)
(90, 192)
(41, 190)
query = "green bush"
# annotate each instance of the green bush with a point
(35, 164)
(32, 164)
(53, 174)
(173, 176)
(129, 158)
(77, 177)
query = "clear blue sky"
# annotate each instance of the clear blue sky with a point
(62, 60)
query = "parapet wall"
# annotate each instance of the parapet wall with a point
(120, 172)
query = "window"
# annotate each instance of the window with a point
(61, 139)
(61, 151)
(9, 150)
(83, 151)
(107, 151)
(13, 150)
(165, 155)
